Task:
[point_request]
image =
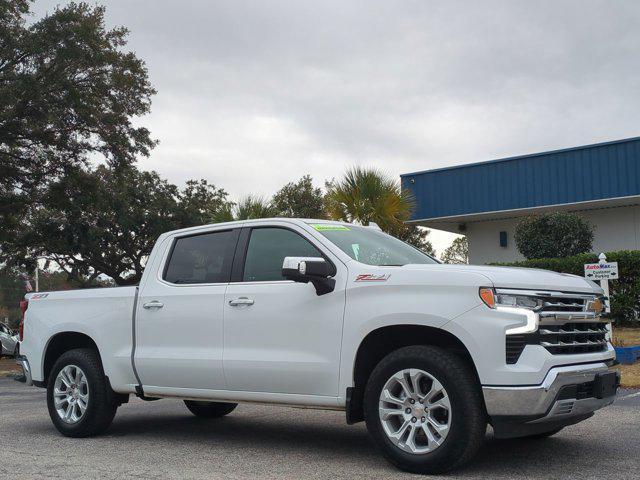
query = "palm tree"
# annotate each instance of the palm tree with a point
(367, 195)
(246, 208)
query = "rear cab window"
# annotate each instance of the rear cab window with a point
(201, 258)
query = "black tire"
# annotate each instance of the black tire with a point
(101, 407)
(210, 409)
(468, 416)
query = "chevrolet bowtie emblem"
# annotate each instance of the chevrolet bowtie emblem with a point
(595, 306)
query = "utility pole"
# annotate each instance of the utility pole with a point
(36, 278)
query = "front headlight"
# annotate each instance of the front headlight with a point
(514, 303)
(522, 301)
(494, 299)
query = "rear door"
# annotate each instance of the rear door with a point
(280, 336)
(179, 320)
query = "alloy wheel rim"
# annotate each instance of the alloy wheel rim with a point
(415, 411)
(71, 394)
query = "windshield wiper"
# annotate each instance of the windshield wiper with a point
(392, 265)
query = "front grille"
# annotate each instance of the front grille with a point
(568, 324)
(573, 338)
(560, 339)
(563, 305)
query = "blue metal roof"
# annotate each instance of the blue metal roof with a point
(591, 172)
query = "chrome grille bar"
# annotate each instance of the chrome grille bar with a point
(587, 343)
(544, 331)
(577, 306)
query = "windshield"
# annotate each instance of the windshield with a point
(370, 246)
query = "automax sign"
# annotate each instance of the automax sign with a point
(601, 271)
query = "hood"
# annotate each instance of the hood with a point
(523, 278)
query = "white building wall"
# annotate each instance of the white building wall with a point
(484, 241)
(615, 229)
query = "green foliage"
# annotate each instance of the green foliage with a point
(625, 292)
(457, 252)
(553, 235)
(416, 236)
(299, 200)
(68, 93)
(200, 202)
(246, 208)
(12, 289)
(11, 292)
(367, 195)
(106, 221)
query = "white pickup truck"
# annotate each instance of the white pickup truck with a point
(328, 315)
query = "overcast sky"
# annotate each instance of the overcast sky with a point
(254, 94)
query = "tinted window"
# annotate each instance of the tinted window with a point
(202, 258)
(267, 249)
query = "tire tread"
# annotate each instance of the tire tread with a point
(102, 407)
(474, 415)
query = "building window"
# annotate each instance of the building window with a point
(503, 239)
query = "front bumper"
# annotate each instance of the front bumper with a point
(563, 398)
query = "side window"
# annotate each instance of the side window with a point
(267, 249)
(204, 258)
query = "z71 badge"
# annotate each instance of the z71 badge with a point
(370, 277)
(36, 296)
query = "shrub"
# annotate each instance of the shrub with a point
(553, 235)
(625, 292)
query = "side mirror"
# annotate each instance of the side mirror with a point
(315, 270)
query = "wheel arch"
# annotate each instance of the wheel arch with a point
(63, 342)
(380, 342)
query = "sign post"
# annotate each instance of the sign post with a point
(602, 271)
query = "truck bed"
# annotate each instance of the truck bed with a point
(103, 314)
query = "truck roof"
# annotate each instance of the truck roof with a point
(239, 223)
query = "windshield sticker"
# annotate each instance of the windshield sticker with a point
(323, 227)
(370, 277)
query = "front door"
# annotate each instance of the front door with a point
(280, 336)
(179, 319)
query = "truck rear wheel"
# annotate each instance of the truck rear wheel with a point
(79, 398)
(210, 409)
(424, 409)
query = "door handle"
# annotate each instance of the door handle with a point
(236, 302)
(153, 304)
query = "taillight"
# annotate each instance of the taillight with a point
(24, 304)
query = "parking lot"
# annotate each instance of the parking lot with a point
(163, 440)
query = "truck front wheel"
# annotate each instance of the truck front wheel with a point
(210, 409)
(79, 397)
(424, 409)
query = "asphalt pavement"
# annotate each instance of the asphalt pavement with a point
(159, 440)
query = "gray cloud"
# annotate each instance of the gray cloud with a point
(253, 94)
